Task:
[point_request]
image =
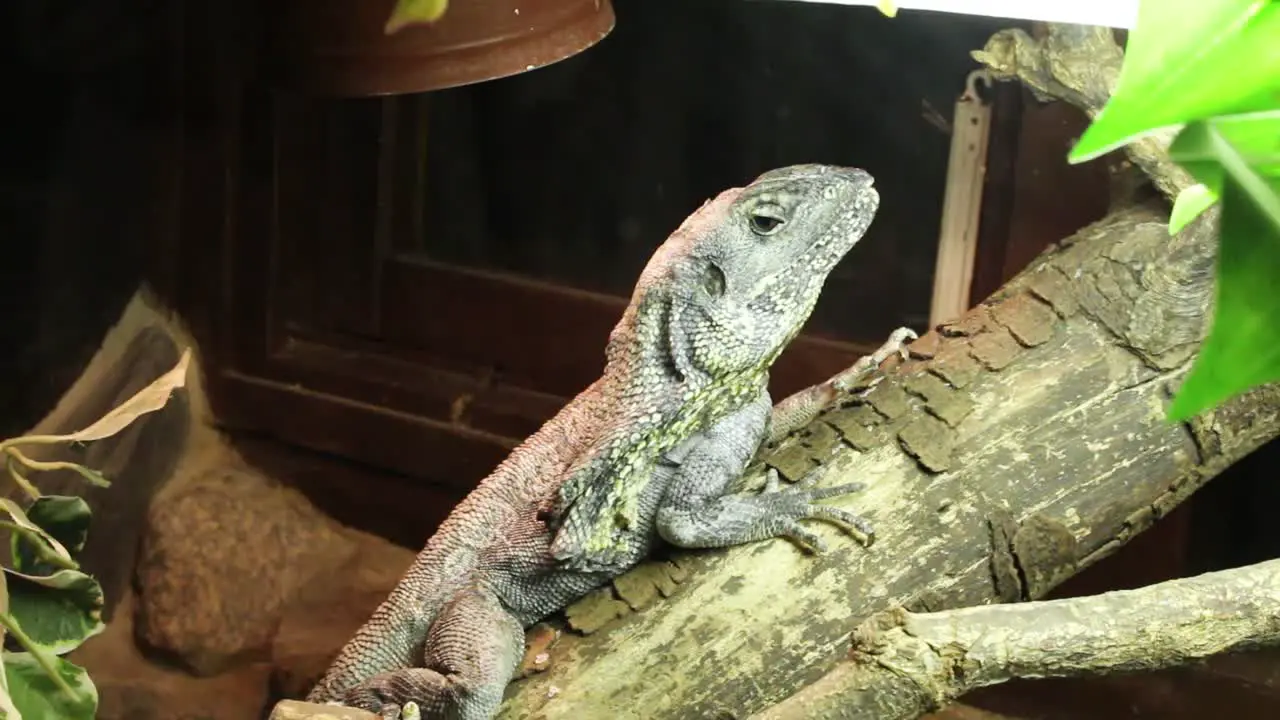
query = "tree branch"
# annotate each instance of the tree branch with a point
(904, 665)
(1080, 64)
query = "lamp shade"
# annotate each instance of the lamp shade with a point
(339, 48)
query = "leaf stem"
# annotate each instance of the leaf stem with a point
(46, 466)
(41, 545)
(22, 480)
(45, 661)
(33, 440)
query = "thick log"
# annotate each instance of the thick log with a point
(1021, 444)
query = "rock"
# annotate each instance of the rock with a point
(132, 687)
(329, 610)
(290, 710)
(226, 551)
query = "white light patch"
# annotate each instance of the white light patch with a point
(1105, 13)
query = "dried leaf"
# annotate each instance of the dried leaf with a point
(149, 399)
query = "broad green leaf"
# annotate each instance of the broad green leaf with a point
(1246, 148)
(8, 711)
(57, 612)
(1189, 60)
(65, 518)
(53, 549)
(37, 696)
(414, 12)
(1189, 204)
(1242, 349)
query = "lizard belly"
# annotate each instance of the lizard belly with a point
(532, 585)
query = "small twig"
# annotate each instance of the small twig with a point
(46, 466)
(906, 664)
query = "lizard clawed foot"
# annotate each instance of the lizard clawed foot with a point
(386, 694)
(408, 711)
(895, 345)
(798, 502)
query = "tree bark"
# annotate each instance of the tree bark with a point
(906, 664)
(1019, 445)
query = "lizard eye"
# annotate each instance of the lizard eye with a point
(713, 282)
(765, 223)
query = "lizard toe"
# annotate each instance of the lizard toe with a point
(772, 482)
(806, 538)
(852, 523)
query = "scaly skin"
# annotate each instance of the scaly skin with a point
(647, 453)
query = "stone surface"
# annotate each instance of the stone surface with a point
(291, 710)
(330, 608)
(133, 687)
(226, 551)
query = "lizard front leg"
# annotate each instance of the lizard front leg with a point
(696, 511)
(796, 411)
(471, 653)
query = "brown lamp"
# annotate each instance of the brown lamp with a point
(339, 48)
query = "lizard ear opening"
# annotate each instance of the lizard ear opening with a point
(714, 281)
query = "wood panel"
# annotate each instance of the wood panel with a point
(325, 325)
(322, 338)
(542, 335)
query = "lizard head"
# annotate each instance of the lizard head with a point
(742, 274)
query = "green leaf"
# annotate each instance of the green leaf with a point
(36, 695)
(414, 12)
(1242, 349)
(65, 518)
(57, 612)
(7, 709)
(1245, 148)
(1189, 60)
(1189, 204)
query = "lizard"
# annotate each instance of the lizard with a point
(648, 453)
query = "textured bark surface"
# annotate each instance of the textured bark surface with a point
(1022, 443)
(905, 664)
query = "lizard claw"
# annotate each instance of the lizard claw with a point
(895, 345)
(392, 711)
